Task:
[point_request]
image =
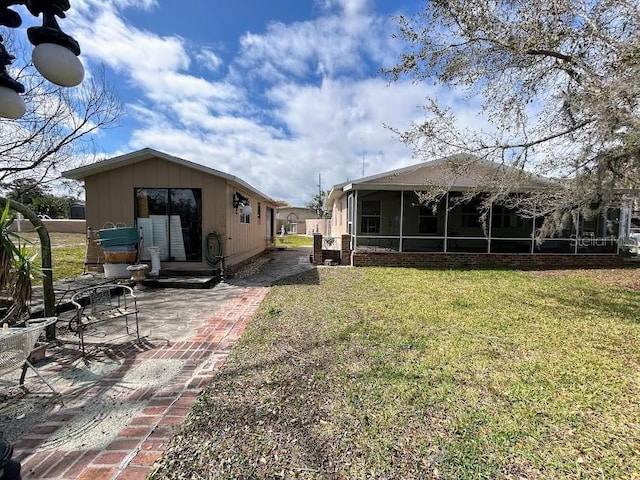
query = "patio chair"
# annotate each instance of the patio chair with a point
(16, 345)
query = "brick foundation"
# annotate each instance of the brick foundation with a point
(524, 261)
(539, 261)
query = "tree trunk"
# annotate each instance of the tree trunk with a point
(47, 271)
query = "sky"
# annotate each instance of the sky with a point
(281, 93)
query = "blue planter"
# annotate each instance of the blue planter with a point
(111, 237)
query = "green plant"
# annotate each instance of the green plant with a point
(16, 269)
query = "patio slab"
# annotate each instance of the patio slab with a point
(119, 407)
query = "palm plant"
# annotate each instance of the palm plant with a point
(16, 269)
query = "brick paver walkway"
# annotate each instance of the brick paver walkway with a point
(155, 411)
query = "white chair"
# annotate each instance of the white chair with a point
(16, 345)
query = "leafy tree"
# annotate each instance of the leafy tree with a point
(38, 197)
(24, 190)
(318, 203)
(51, 206)
(556, 84)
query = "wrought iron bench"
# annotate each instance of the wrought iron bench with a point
(103, 304)
(16, 345)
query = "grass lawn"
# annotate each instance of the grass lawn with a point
(294, 241)
(67, 254)
(404, 373)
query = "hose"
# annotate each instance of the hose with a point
(214, 239)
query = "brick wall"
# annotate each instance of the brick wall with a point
(480, 260)
(345, 250)
(317, 249)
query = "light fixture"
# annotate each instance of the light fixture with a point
(55, 54)
(240, 200)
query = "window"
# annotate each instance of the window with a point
(428, 219)
(471, 214)
(259, 210)
(245, 218)
(370, 216)
(502, 217)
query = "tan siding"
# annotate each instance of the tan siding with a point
(110, 198)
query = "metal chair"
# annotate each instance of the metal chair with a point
(16, 345)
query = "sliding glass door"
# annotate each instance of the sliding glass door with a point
(170, 218)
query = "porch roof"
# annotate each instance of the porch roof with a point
(456, 172)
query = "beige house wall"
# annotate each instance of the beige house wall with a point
(245, 240)
(315, 225)
(339, 217)
(110, 200)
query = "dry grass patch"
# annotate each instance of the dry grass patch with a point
(627, 278)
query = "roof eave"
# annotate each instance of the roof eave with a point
(131, 158)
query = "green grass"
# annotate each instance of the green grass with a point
(67, 254)
(294, 241)
(401, 373)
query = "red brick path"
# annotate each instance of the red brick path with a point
(138, 445)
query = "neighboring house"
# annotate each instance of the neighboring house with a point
(301, 221)
(178, 205)
(383, 215)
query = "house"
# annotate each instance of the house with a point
(192, 212)
(301, 220)
(387, 224)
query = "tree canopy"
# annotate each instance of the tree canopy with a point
(318, 203)
(556, 84)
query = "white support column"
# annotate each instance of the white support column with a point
(401, 219)
(576, 219)
(489, 227)
(355, 220)
(533, 233)
(446, 222)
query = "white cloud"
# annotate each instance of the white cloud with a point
(143, 4)
(310, 107)
(349, 7)
(209, 59)
(105, 37)
(331, 45)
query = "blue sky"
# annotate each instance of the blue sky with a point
(273, 91)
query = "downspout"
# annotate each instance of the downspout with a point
(47, 271)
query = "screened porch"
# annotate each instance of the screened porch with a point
(395, 221)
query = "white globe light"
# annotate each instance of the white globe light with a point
(58, 64)
(247, 210)
(11, 104)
